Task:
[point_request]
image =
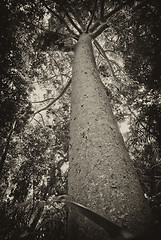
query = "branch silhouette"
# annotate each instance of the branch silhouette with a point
(44, 100)
(90, 22)
(102, 52)
(75, 36)
(104, 25)
(54, 100)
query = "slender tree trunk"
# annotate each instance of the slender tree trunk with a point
(101, 175)
(4, 154)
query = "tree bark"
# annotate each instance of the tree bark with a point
(101, 174)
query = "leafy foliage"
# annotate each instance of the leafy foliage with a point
(35, 177)
(140, 45)
(142, 56)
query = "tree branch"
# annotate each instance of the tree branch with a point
(90, 22)
(42, 119)
(76, 16)
(37, 121)
(70, 19)
(99, 30)
(102, 10)
(72, 22)
(104, 25)
(100, 49)
(45, 100)
(94, 26)
(155, 165)
(117, 9)
(140, 122)
(102, 52)
(61, 19)
(54, 100)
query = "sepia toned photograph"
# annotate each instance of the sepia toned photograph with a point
(80, 120)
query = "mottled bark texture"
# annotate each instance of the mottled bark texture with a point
(101, 174)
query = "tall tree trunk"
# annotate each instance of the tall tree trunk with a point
(101, 175)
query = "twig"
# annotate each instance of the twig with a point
(42, 78)
(144, 127)
(118, 66)
(155, 165)
(45, 100)
(54, 100)
(37, 121)
(90, 22)
(42, 118)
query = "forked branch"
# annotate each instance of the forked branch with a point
(54, 100)
(74, 13)
(61, 19)
(92, 16)
(104, 25)
(69, 18)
